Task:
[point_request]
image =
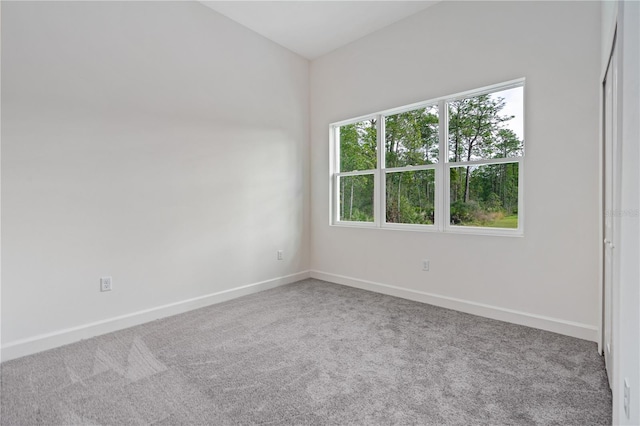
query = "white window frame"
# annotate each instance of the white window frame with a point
(336, 174)
(442, 207)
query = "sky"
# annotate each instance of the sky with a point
(514, 100)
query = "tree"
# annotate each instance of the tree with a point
(474, 124)
(358, 147)
(480, 194)
(477, 130)
(411, 139)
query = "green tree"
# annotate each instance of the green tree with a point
(474, 124)
(478, 130)
(358, 148)
(411, 139)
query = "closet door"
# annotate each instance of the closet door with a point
(611, 208)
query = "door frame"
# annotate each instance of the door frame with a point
(601, 187)
(611, 204)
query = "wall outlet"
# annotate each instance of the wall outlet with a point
(280, 255)
(425, 265)
(627, 397)
(105, 283)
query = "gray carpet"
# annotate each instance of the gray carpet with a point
(313, 353)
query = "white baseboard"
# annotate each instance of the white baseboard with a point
(23, 347)
(31, 345)
(567, 328)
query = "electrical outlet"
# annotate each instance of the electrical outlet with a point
(280, 255)
(627, 397)
(425, 265)
(105, 283)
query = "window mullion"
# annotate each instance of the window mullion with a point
(380, 197)
(482, 162)
(412, 168)
(442, 177)
(335, 165)
(357, 173)
(520, 194)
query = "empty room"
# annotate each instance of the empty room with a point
(320, 212)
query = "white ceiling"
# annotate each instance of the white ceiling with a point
(313, 28)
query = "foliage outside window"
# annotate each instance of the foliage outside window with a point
(358, 161)
(452, 164)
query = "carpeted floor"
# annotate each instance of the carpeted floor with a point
(313, 353)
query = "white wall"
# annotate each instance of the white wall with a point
(549, 278)
(157, 142)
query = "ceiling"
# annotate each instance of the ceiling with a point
(313, 28)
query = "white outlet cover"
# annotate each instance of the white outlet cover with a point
(425, 265)
(105, 284)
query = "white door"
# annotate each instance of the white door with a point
(611, 212)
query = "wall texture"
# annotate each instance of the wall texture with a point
(549, 277)
(156, 142)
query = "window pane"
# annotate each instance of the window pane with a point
(358, 143)
(411, 138)
(410, 197)
(487, 126)
(356, 198)
(485, 195)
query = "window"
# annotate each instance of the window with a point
(453, 164)
(358, 163)
(410, 155)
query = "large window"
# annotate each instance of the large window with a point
(452, 164)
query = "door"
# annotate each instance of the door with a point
(611, 212)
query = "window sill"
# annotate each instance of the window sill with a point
(460, 230)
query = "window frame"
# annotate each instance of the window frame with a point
(336, 174)
(442, 169)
